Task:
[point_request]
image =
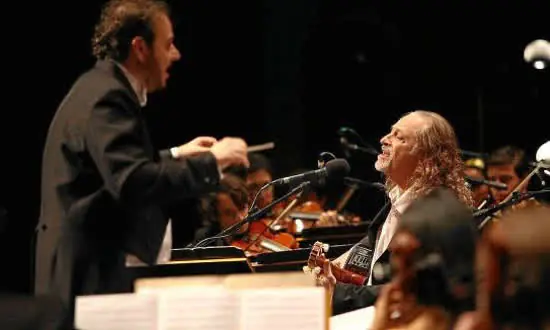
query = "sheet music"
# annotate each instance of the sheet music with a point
(198, 308)
(302, 308)
(206, 303)
(360, 319)
(116, 312)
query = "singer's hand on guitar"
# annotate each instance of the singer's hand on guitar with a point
(324, 277)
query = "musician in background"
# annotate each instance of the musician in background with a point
(507, 164)
(475, 168)
(419, 153)
(222, 209)
(258, 174)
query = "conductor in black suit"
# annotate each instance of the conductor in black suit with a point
(103, 183)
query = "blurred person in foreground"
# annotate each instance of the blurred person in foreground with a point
(432, 280)
(513, 272)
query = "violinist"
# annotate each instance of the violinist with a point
(229, 205)
(223, 208)
(257, 175)
(275, 226)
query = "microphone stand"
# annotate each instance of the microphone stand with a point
(515, 192)
(368, 150)
(251, 217)
(516, 198)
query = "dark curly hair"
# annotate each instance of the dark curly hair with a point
(120, 22)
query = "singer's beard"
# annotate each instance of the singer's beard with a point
(382, 165)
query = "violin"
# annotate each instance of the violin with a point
(261, 238)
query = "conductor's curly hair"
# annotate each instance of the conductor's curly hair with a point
(120, 22)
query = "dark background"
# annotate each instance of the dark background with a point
(287, 71)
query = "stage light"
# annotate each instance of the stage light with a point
(537, 53)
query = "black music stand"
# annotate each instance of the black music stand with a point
(197, 261)
(291, 260)
(333, 235)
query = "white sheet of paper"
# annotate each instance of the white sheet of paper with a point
(360, 319)
(198, 308)
(283, 308)
(116, 312)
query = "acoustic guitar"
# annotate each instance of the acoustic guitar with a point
(317, 259)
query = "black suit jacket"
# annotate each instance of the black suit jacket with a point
(104, 186)
(348, 297)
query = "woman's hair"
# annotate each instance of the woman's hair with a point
(234, 187)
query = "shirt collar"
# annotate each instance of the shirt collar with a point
(400, 199)
(139, 89)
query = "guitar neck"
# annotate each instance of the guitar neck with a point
(343, 275)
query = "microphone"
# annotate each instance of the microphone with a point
(478, 181)
(351, 146)
(334, 169)
(343, 131)
(363, 184)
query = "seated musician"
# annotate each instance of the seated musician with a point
(475, 168)
(229, 205)
(257, 175)
(419, 154)
(223, 208)
(509, 165)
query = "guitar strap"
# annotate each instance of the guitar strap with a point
(361, 254)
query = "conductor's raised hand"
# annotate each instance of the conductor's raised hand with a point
(196, 146)
(230, 151)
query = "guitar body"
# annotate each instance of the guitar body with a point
(317, 259)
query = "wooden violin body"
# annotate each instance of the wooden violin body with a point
(261, 239)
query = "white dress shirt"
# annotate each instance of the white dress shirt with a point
(399, 202)
(165, 252)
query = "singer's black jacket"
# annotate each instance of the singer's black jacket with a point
(104, 187)
(348, 297)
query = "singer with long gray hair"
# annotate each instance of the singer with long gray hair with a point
(419, 153)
